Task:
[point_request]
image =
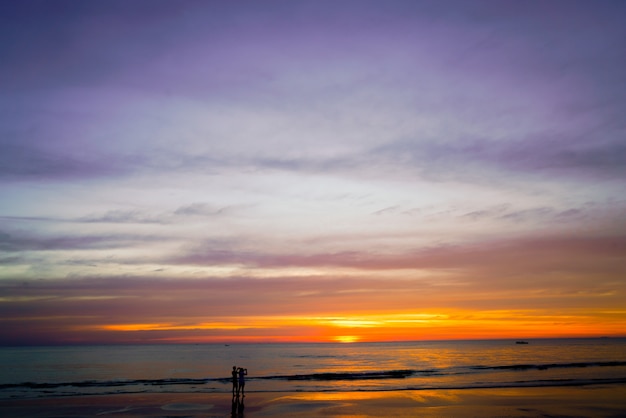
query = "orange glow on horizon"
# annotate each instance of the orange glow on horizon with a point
(451, 325)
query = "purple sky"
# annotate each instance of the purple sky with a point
(196, 162)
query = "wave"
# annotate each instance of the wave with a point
(551, 366)
(405, 373)
(390, 374)
(386, 374)
(110, 383)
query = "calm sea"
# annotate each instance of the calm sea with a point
(60, 371)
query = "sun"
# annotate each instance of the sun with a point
(346, 338)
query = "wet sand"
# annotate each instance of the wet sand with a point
(580, 401)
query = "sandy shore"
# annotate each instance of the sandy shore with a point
(584, 401)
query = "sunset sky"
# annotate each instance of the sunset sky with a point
(345, 170)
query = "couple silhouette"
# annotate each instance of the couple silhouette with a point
(239, 382)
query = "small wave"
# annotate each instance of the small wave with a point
(386, 374)
(108, 383)
(314, 356)
(522, 367)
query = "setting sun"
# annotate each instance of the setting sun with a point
(346, 338)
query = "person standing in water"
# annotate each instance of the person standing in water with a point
(235, 384)
(242, 381)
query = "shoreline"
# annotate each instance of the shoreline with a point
(601, 400)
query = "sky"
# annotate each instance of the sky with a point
(289, 171)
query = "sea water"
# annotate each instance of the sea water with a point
(29, 372)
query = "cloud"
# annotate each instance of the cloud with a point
(594, 158)
(538, 257)
(20, 241)
(24, 162)
(135, 216)
(124, 216)
(199, 209)
(463, 159)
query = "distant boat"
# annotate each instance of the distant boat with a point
(521, 342)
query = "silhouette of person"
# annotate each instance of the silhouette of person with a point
(235, 384)
(242, 381)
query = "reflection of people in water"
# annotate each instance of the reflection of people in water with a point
(237, 407)
(241, 407)
(233, 408)
(242, 381)
(235, 385)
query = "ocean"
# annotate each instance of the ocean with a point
(35, 372)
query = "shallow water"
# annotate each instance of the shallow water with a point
(56, 371)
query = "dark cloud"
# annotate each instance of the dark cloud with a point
(24, 162)
(35, 156)
(6, 260)
(199, 209)
(478, 159)
(121, 216)
(588, 157)
(20, 241)
(124, 216)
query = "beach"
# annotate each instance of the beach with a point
(579, 401)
